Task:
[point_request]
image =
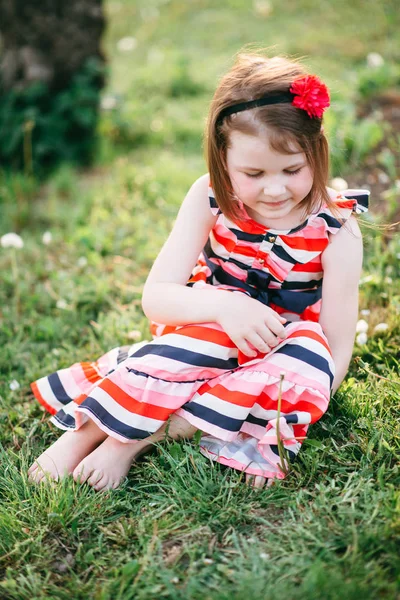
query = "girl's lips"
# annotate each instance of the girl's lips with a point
(275, 203)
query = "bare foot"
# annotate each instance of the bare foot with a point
(65, 454)
(107, 466)
(258, 482)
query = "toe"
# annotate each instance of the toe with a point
(95, 477)
(39, 476)
(259, 482)
(101, 484)
(114, 484)
(32, 468)
(80, 474)
(256, 481)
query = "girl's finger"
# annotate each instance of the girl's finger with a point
(275, 327)
(243, 346)
(260, 342)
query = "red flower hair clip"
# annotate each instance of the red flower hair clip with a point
(311, 95)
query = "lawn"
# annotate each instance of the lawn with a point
(181, 527)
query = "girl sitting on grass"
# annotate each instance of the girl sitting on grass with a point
(253, 300)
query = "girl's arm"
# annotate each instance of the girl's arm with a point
(166, 299)
(342, 264)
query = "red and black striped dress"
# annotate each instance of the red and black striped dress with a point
(197, 372)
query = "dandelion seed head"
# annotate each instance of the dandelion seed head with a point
(61, 304)
(47, 238)
(82, 261)
(134, 335)
(126, 44)
(375, 60)
(362, 339)
(108, 102)
(262, 8)
(362, 326)
(381, 327)
(11, 240)
(339, 184)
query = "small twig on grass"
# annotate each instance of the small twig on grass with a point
(17, 546)
(366, 368)
(281, 448)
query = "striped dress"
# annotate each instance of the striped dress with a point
(242, 405)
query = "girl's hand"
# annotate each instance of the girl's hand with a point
(247, 321)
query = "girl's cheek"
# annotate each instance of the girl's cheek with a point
(246, 185)
(306, 180)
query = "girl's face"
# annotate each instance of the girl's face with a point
(270, 185)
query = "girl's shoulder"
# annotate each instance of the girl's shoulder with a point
(343, 205)
(215, 209)
(356, 199)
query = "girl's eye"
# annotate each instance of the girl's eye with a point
(254, 174)
(293, 172)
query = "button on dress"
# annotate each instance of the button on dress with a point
(241, 404)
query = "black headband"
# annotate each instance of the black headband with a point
(272, 99)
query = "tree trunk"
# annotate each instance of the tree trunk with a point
(51, 74)
(47, 40)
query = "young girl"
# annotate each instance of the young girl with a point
(253, 300)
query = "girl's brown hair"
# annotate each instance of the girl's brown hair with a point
(253, 76)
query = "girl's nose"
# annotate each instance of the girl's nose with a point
(274, 189)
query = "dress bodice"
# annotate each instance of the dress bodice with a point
(281, 268)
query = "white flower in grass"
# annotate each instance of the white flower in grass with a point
(362, 339)
(14, 385)
(362, 326)
(126, 44)
(339, 184)
(367, 279)
(108, 102)
(61, 303)
(134, 335)
(374, 60)
(381, 327)
(264, 556)
(383, 177)
(47, 238)
(82, 261)
(11, 240)
(365, 312)
(208, 561)
(262, 8)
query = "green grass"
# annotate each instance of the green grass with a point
(181, 527)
